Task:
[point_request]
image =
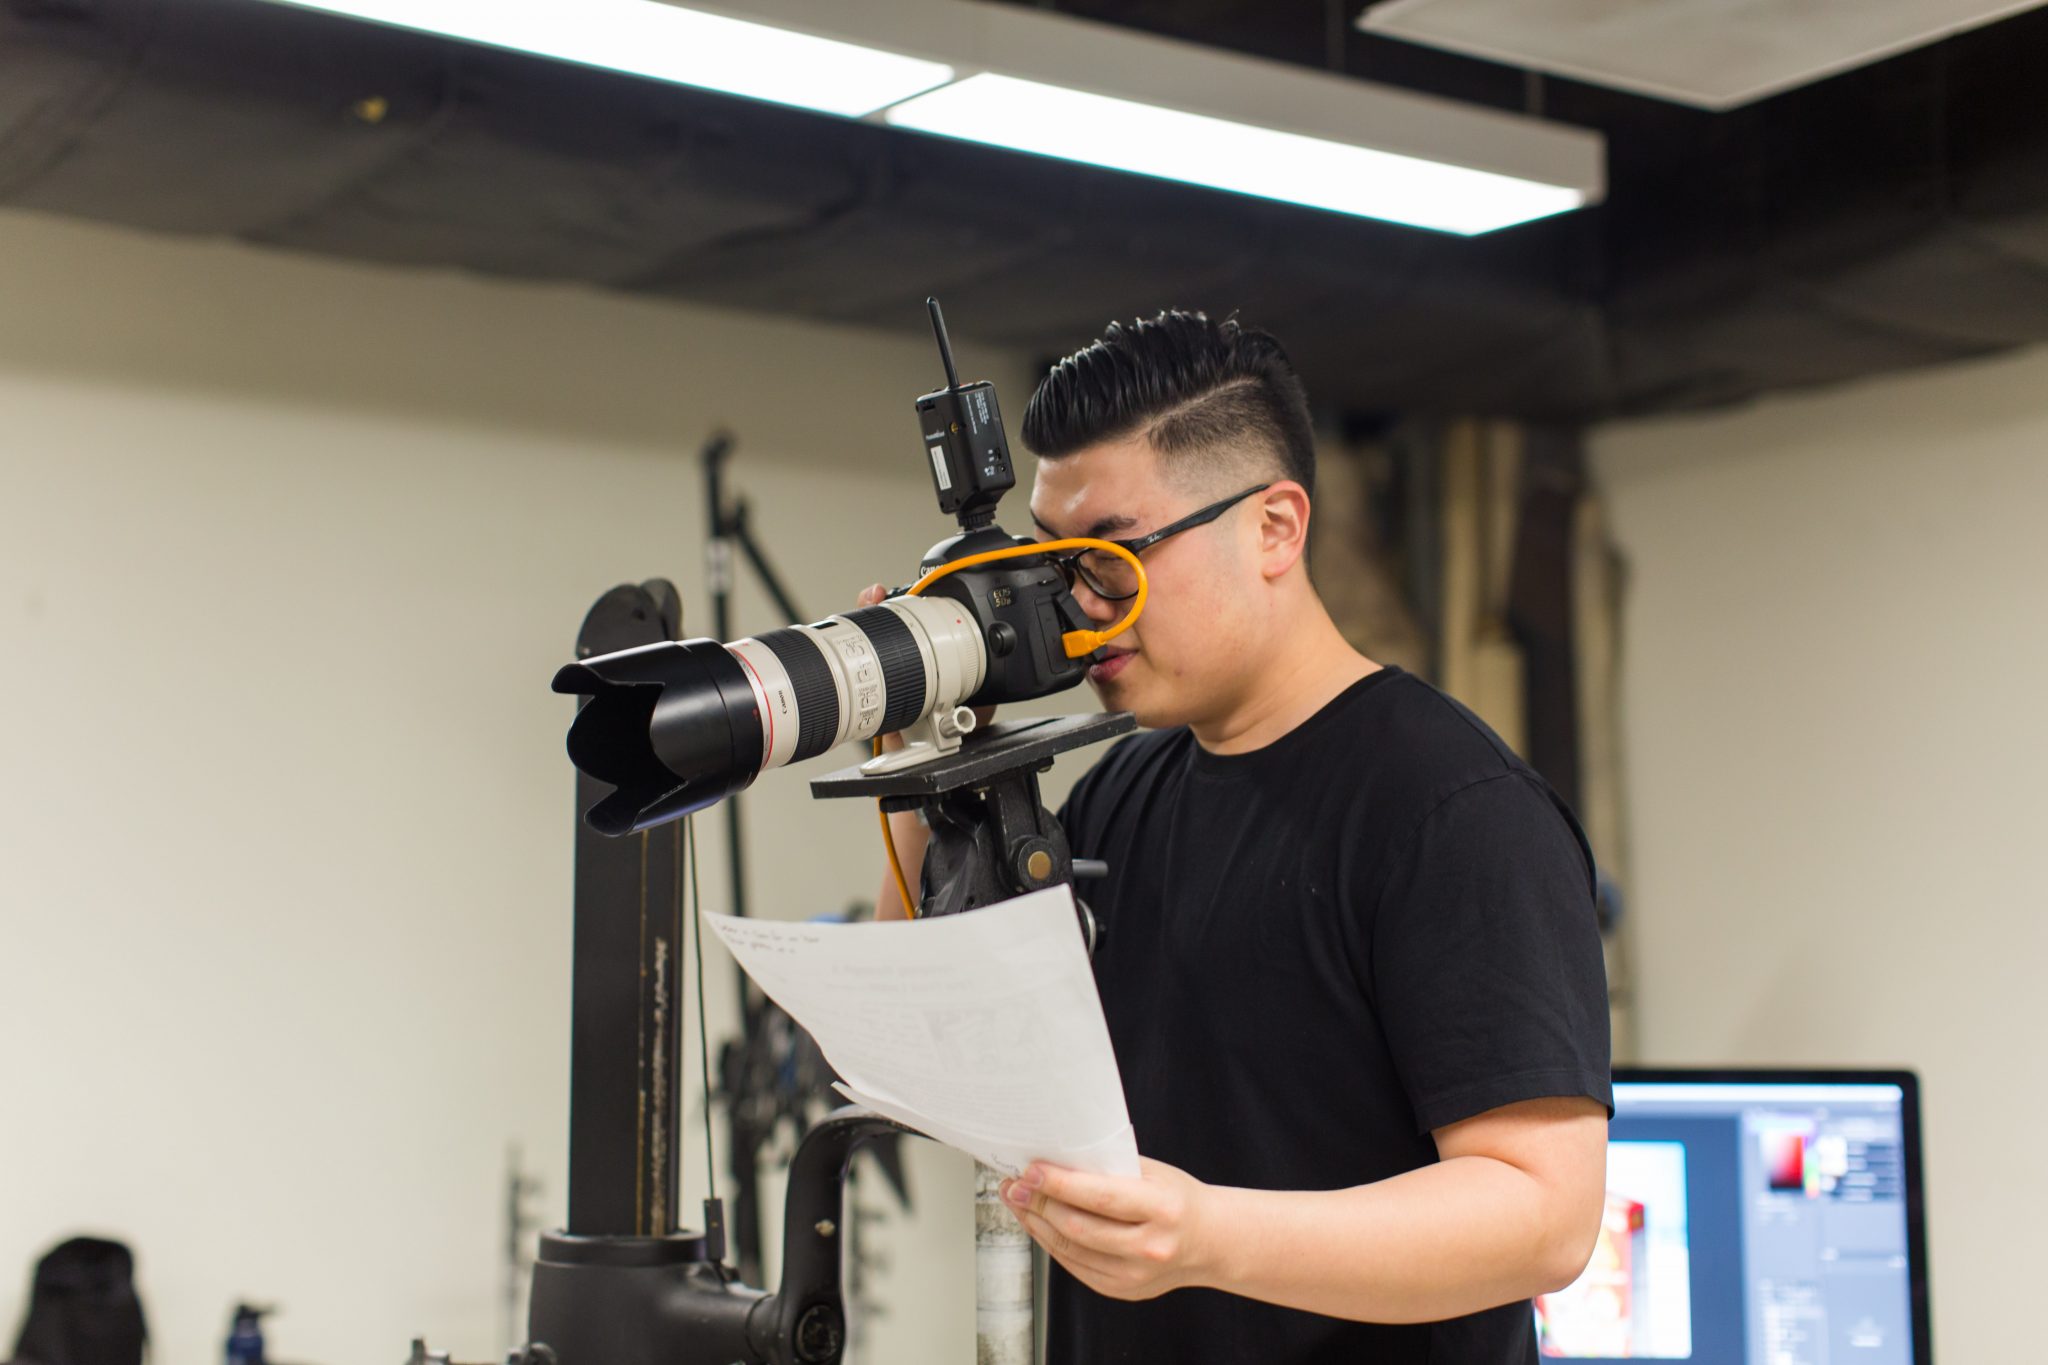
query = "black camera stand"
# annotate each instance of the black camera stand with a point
(612, 1297)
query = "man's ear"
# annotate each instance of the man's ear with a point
(1283, 512)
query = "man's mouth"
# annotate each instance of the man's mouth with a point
(1114, 662)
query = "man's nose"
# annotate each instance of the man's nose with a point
(1094, 605)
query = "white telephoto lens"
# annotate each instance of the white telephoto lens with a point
(852, 677)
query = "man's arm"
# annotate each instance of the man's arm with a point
(911, 838)
(1510, 1211)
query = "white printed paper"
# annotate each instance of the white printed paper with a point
(981, 1030)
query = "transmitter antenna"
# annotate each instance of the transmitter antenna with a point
(963, 436)
(945, 344)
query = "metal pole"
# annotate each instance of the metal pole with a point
(745, 1221)
(728, 528)
(1002, 1277)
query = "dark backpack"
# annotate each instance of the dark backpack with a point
(82, 1309)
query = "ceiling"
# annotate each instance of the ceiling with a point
(1890, 217)
(1715, 54)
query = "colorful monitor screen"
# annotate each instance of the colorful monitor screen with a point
(1754, 1218)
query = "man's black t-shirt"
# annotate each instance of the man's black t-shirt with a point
(1314, 954)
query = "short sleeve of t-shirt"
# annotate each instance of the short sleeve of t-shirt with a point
(1485, 956)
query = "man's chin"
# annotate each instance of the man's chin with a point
(1117, 695)
(1113, 695)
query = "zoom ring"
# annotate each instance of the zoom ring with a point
(810, 679)
(902, 665)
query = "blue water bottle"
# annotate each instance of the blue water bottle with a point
(245, 1339)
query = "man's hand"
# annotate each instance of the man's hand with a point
(1124, 1237)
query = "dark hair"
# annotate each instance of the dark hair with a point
(1192, 386)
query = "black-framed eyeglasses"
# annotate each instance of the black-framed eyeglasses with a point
(1111, 577)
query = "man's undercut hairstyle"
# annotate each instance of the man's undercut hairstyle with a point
(1205, 395)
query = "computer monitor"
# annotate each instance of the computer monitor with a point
(1755, 1218)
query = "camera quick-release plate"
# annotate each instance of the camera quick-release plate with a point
(983, 756)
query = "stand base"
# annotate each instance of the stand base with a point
(659, 1301)
(634, 1301)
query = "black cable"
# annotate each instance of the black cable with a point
(714, 1211)
(703, 1029)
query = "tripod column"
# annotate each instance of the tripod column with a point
(1002, 1277)
(627, 997)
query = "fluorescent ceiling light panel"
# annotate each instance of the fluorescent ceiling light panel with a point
(668, 43)
(1146, 139)
(1009, 76)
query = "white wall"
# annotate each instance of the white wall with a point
(1836, 645)
(289, 550)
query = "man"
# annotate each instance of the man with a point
(1349, 964)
